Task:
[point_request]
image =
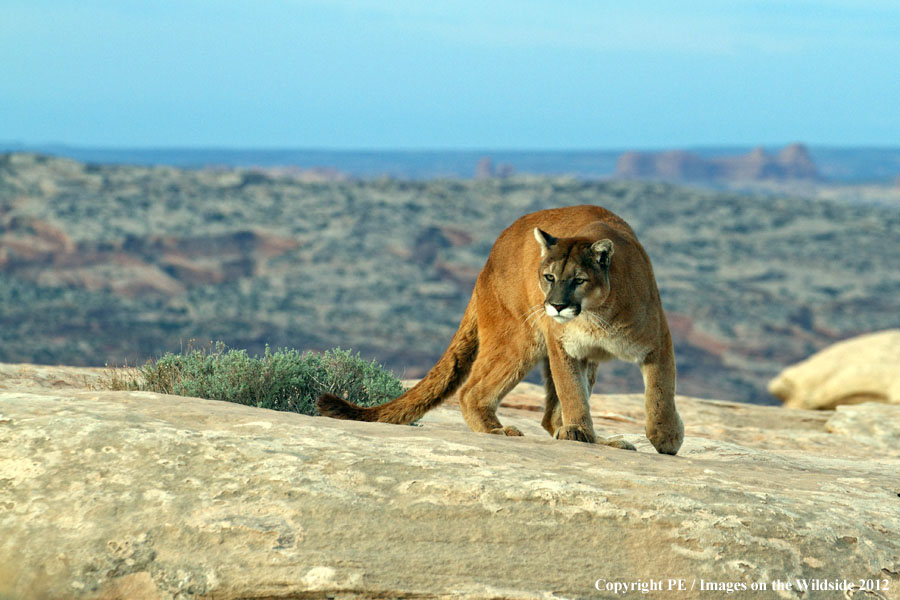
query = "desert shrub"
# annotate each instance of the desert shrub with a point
(281, 380)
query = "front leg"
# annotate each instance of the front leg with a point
(552, 415)
(664, 427)
(552, 420)
(570, 378)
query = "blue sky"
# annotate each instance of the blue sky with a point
(452, 74)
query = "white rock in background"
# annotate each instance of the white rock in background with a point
(861, 369)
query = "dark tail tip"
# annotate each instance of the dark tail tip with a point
(330, 405)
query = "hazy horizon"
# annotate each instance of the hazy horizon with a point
(769, 147)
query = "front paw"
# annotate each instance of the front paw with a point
(509, 430)
(666, 436)
(576, 433)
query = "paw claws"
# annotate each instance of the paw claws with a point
(508, 431)
(617, 443)
(575, 433)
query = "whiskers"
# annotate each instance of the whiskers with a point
(599, 322)
(533, 314)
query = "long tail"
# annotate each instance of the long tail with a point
(440, 382)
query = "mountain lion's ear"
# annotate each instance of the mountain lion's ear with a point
(603, 251)
(545, 240)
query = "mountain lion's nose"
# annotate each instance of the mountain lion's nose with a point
(558, 307)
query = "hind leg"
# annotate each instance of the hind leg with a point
(496, 371)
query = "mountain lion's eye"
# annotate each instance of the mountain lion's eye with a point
(549, 277)
(580, 280)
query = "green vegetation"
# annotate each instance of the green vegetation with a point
(281, 380)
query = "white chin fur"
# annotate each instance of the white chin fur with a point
(563, 316)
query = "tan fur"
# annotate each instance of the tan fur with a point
(609, 307)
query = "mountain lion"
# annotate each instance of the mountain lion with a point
(566, 287)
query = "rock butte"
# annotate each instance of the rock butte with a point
(147, 496)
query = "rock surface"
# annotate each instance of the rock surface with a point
(145, 496)
(870, 423)
(862, 369)
(25, 376)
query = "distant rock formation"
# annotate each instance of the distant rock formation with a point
(486, 170)
(797, 163)
(792, 163)
(861, 369)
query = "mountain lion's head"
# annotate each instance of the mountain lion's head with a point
(574, 274)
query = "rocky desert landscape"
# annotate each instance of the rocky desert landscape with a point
(117, 264)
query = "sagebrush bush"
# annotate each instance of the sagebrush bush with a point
(281, 380)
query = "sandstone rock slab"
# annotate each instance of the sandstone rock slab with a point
(870, 423)
(135, 494)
